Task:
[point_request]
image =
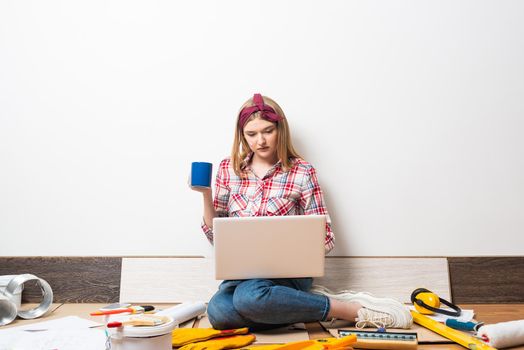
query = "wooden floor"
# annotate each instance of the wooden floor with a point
(488, 313)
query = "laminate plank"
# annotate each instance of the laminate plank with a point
(167, 280)
(173, 280)
(487, 280)
(73, 279)
(387, 277)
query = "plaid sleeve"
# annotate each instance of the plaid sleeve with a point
(221, 196)
(312, 203)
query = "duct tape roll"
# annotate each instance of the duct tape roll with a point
(8, 310)
(47, 295)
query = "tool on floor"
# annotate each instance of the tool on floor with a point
(131, 310)
(503, 334)
(427, 303)
(457, 336)
(344, 343)
(464, 326)
(382, 340)
(145, 320)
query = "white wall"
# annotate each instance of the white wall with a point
(412, 113)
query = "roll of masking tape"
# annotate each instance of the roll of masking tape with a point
(47, 295)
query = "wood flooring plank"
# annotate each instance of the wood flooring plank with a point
(73, 279)
(167, 280)
(191, 279)
(487, 279)
(387, 277)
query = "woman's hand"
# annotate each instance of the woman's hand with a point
(200, 189)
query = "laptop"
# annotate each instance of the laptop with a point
(269, 247)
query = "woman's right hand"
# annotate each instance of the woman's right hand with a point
(200, 189)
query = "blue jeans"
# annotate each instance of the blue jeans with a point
(264, 304)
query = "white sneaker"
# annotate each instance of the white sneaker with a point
(375, 312)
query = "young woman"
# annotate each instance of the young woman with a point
(266, 176)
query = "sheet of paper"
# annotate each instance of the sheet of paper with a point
(66, 333)
(69, 322)
(65, 339)
(465, 315)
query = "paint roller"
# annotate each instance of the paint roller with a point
(503, 334)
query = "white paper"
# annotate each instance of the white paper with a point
(69, 322)
(465, 315)
(66, 333)
(65, 339)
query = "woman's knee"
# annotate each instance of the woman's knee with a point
(222, 314)
(217, 312)
(220, 321)
(250, 296)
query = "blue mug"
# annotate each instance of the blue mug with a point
(201, 174)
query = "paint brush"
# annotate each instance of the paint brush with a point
(139, 321)
(131, 310)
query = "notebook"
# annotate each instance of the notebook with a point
(269, 247)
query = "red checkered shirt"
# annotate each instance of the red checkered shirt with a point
(292, 192)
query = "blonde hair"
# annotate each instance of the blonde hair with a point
(285, 150)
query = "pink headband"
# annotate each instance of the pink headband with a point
(268, 112)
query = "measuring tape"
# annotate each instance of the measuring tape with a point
(382, 340)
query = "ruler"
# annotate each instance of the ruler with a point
(382, 340)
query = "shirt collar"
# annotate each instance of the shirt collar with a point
(246, 165)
